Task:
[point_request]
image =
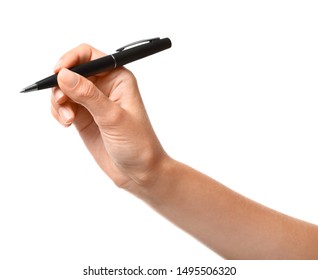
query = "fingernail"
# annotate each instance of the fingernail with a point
(66, 114)
(69, 78)
(58, 95)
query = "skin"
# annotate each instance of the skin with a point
(109, 114)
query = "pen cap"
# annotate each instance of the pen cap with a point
(141, 51)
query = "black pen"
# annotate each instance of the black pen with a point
(124, 55)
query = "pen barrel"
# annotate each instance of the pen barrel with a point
(96, 66)
(87, 69)
(109, 62)
(48, 82)
(138, 52)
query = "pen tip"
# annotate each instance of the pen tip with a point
(30, 88)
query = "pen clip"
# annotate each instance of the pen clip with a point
(137, 43)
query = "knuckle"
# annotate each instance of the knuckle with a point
(127, 75)
(76, 55)
(86, 90)
(84, 46)
(52, 100)
(112, 118)
(116, 115)
(55, 114)
(84, 52)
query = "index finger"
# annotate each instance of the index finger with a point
(81, 54)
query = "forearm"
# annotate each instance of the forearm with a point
(230, 224)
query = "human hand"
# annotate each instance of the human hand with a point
(109, 114)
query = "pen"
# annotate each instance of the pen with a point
(123, 55)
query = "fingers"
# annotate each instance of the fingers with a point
(63, 113)
(81, 54)
(82, 91)
(59, 96)
(68, 112)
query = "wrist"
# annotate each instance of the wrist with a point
(156, 185)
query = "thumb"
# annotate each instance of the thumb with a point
(84, 92)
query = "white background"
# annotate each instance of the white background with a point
(235, 97)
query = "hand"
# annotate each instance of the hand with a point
(109, 114)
